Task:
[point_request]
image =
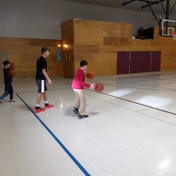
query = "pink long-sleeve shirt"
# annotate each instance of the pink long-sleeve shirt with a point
(78, 81)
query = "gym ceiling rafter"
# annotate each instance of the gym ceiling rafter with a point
(167, 10)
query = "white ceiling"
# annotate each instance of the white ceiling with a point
(135, 5)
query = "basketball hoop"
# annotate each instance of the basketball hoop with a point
(173, 35)
(168, 27)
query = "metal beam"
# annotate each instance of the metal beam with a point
(167, 9)
(163, 8)
(153, 13)
(151, 3)
(125, 3)
(172, 7)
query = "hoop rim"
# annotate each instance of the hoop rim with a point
(173, 34)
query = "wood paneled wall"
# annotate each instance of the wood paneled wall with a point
(67, 33)
(98, 42)
(24, 52)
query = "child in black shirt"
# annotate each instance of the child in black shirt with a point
(7, 82)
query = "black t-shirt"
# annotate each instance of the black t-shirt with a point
(40, 64)
(7, 77)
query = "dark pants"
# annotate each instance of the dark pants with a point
(8, 90)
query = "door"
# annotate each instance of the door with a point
(68, 64)
(155, 61)
(123, 63)
(140, 61)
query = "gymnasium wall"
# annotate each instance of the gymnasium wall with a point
(42, 18)
(96, 41)
(23, 52)
(26, 26)
(99, 42)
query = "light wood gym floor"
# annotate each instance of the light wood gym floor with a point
(131, 129)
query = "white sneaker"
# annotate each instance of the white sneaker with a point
(1, 101)
(13, 100)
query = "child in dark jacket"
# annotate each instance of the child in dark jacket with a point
(7, 82)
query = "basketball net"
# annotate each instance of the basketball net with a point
(173, 35)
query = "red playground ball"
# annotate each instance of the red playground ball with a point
(90, 75)
(99, 87)
(12, 72)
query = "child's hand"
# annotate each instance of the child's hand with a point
(49, 81)
(92, 86)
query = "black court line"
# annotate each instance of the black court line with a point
(151, 107)
(141, 88)
(57, 140)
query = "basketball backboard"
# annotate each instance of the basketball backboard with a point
(168, 27)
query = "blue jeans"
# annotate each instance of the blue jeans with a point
(8, 90)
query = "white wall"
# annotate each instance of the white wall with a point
(42, 18)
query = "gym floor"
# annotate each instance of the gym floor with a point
(131, 129)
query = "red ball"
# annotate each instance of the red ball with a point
(12, 66)
(99, 87)
(90, 75)
(12, 72)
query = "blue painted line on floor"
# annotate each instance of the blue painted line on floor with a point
(58, 141)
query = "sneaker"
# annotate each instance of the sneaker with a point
(48, 106)
(38, 109)
(1, 101)
(83, 116)
(75, 110)
(13, 100)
